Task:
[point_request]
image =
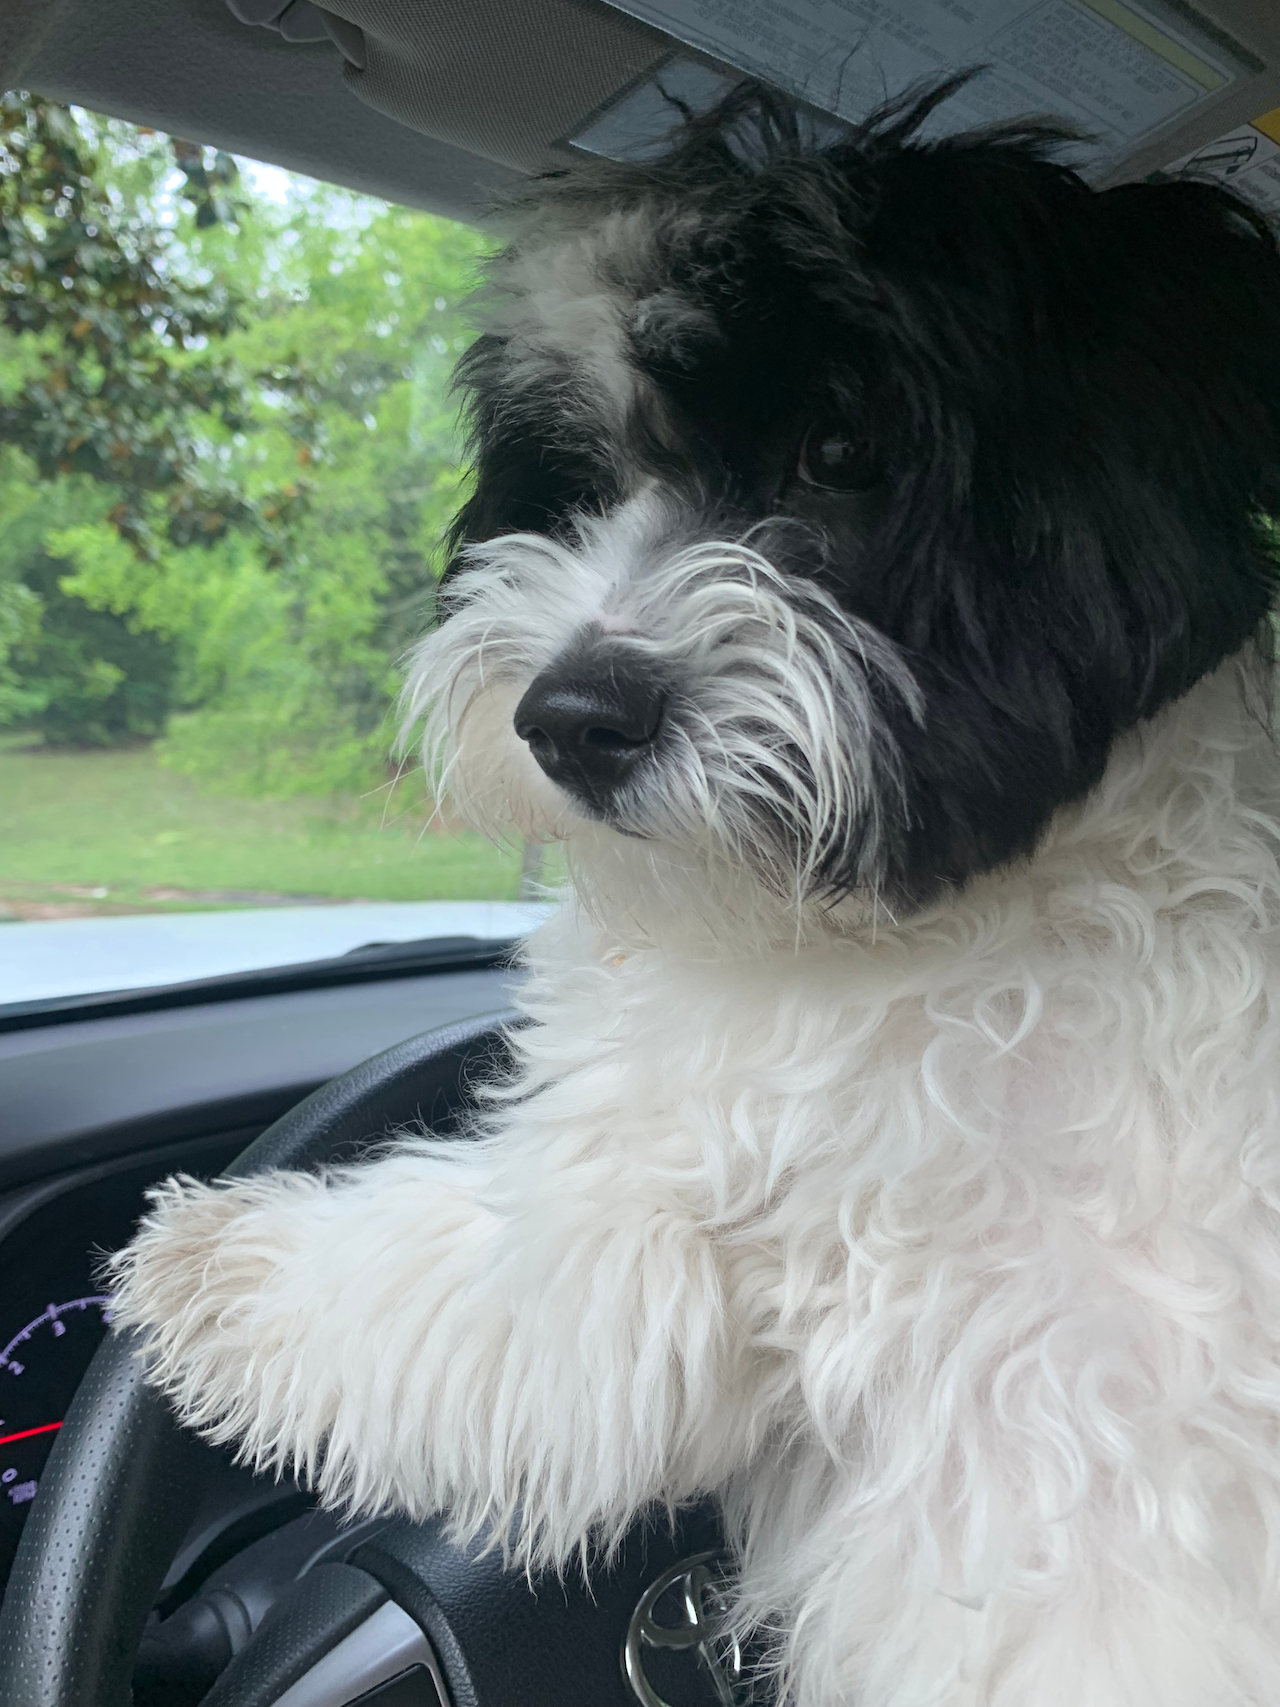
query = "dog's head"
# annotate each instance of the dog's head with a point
(837, 507)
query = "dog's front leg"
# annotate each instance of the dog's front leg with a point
(479, 1327)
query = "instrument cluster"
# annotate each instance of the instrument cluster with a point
(54, 1311)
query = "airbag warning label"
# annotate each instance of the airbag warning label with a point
(1246, 160)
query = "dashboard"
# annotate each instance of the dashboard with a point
(53, 1312)
(94, 1112)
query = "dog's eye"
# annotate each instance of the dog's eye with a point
(836, 458)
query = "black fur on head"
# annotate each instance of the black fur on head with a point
(1027, 430)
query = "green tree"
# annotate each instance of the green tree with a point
(113, 378)
(106, 386)
(260, 549)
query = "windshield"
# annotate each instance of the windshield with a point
(228, 457)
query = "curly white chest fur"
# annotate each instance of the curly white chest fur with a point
(950, 1257)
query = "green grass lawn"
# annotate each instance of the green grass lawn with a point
(74, 824)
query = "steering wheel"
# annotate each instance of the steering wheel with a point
(396, 1616)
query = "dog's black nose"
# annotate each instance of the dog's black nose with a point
(591, 717)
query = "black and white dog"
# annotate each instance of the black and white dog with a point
(864, 582)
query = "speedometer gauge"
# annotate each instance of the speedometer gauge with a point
(40, 1369)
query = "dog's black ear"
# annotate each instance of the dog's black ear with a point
(1197, 309)
(1090, 526)
(1118, 354)
(1180, 335)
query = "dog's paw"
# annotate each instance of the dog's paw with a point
(210, 1282)
(182, 1266)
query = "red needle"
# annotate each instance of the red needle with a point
(26, 1433)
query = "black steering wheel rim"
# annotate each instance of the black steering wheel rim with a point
(121, 1482)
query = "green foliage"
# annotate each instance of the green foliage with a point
(102, 683)
(111, 381)
(84, 677)
(238, 453)
(20, 612)
(211, 186)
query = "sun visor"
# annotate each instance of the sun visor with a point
(506, 81)
(1146, 84)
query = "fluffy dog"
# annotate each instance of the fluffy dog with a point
(863, 581)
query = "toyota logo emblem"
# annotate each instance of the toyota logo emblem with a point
(694, 1591)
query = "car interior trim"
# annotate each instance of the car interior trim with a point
(77, 1095)
(453, 103)
(386, 1646)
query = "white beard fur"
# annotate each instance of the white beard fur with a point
(763, 666)
(948, 1253)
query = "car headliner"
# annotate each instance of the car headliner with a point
(456, 98)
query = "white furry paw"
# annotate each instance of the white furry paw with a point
(211, 1282)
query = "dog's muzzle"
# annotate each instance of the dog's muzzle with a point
(591, 718)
